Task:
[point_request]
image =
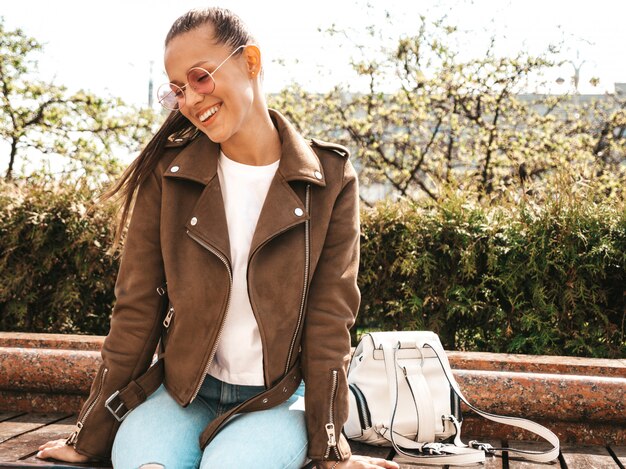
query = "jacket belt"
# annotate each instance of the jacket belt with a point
(275, 395)
(138, 390)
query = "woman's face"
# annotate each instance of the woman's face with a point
(223, 113)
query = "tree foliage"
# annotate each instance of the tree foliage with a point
(464, 123)
(77, 132)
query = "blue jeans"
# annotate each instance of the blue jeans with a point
(160, 431)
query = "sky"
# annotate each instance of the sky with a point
(109, 47)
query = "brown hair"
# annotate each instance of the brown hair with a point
(229, 29)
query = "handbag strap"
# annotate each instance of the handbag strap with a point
(468, 455)
(443, 453)
(533, 427)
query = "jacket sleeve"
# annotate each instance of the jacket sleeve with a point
(332, 305)
(135, 323)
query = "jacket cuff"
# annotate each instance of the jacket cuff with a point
(343, 448)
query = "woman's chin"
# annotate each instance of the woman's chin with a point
(214, 134)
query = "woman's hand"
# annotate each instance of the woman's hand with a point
(59, 450)
(360, 462)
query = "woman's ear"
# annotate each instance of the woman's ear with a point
(252, 54)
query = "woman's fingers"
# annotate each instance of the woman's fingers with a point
(380, 462)
(358, 461)
(59, 450)
(384, 463)
(50, 443)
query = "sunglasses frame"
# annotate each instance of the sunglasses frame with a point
(182, 88)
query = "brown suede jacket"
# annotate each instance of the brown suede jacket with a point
(304, 304)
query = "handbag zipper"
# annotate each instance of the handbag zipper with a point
(364, 415)
(219, 332)
(71, 440)
(330, 426)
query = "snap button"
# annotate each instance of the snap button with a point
(193, 221)
(318, 175)
(298, 211)
(265, 400)
(174, 169)
(285, 389)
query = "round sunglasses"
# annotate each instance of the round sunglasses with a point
(172, 97)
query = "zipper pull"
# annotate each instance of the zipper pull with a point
(168, 318)
(330, 431)
(74, 436)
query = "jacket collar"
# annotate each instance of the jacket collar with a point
(198, 160)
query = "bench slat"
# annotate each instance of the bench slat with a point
(9, 415)
(516, 463)
(27, 422)
(24, 446)
(47, 464)
(370, 450)
(592, 457)
(27, 432)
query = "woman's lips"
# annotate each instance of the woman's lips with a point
(208, 116)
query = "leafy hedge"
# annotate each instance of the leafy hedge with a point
(516, 278)
(54, 273)
(511, 278)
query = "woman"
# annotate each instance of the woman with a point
(240, 262)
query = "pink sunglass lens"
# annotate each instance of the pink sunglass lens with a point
(201, 81)
(169, 95)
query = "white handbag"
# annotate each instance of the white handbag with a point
(403, 394)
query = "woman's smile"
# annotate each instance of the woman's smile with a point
(208, 116)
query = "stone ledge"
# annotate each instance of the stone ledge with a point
(583, 400)
(54, 341)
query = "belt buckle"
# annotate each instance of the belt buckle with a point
(432, 448)
(114, 412)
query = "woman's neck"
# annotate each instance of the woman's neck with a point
(258, 144)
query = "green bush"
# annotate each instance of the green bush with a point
(54, 274)
(512, 277)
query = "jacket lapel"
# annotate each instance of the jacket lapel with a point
(207, 220)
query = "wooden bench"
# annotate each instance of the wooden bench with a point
(582, 400)
(21, 433)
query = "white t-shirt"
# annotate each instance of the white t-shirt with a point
(239, 355)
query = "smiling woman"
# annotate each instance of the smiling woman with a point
(240, 262)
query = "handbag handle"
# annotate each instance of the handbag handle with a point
(460, 455)
(454, 454)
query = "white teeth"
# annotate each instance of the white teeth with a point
(209, 113)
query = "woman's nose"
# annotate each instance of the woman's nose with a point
(192, 96)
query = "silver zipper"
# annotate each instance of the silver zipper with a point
(219, 333)
(168, 318)
(306, 279)
(330, 426)
(71, 440)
